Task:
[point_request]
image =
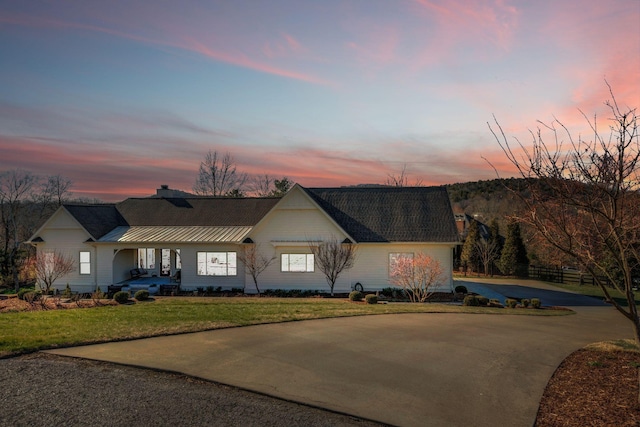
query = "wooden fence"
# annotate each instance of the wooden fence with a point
(562, 275)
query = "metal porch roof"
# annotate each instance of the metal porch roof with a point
(177, 234)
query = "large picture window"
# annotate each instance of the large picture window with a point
(85, 262)
(297, 263)
(217, 264)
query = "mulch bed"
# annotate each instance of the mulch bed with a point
(593, 388)
(15, 304)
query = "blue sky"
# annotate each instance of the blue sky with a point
(123, 96)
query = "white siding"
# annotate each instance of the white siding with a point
(297, 219)
(372, 264)
(65, 235)
(287, 229)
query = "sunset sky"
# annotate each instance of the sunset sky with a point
(123, 96)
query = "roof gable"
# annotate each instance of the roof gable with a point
(96, 219)
(390, 214)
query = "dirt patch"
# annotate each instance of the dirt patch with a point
(593, 388)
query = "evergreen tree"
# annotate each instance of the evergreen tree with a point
(495, 241)
(514, 258)
(469, 255)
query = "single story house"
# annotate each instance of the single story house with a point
(198, 238)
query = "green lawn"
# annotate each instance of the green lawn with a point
(30, 331)
(596, 291)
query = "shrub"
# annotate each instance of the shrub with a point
(535, 303)
(471, 301)
(30, 296)
(23, 291)
(525, 302)
(121, 297)
(98, 294)
(142, 295)
(495, 303)
(356, 296)
(388, 292)
(371, 299)
(461, 289)
(511, 303)
(67, 292)
(482, 300)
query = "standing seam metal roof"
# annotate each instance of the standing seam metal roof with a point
(158, 234)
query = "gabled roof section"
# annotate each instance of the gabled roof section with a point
(195, 211)
(96, 219)
(390, 214)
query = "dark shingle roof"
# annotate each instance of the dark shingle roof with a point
(196, 211)
(390, 214)
(96, 219)
(367, 214)
(99, 220)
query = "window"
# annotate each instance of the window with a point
(85, 262)
(147, 258)
(165, 262)
(178, 260)
(297, 263)
(394, 257)
(217, 264)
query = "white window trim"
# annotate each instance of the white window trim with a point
(208, 254)
(86, 263)
(285, 260)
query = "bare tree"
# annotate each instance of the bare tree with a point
(261, 185)
(15, 186)
(218, 176)
(583, 198)
(419, 276)
(268, 186)
(24, 203)
(332, 258)
(255, 261)
(50, 266)
(488, 252)
(401, 179)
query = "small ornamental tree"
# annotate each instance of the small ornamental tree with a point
(254, 261)
(418, 276)
(332, 258)
(50, 266)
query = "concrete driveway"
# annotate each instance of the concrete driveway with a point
(408, 369)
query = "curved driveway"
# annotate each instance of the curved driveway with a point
(409, 369)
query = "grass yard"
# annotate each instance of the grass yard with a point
(29, 331)
(596, 291)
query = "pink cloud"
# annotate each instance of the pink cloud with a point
(453, 24)
(185, 42)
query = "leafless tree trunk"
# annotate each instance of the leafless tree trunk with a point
(583, 198)
(15, 186)
(401, 179)
(24, 203)
(255, 261)
(487, 253)
(332, 258)
(262, 185)
(218, 176)
(50, 266)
